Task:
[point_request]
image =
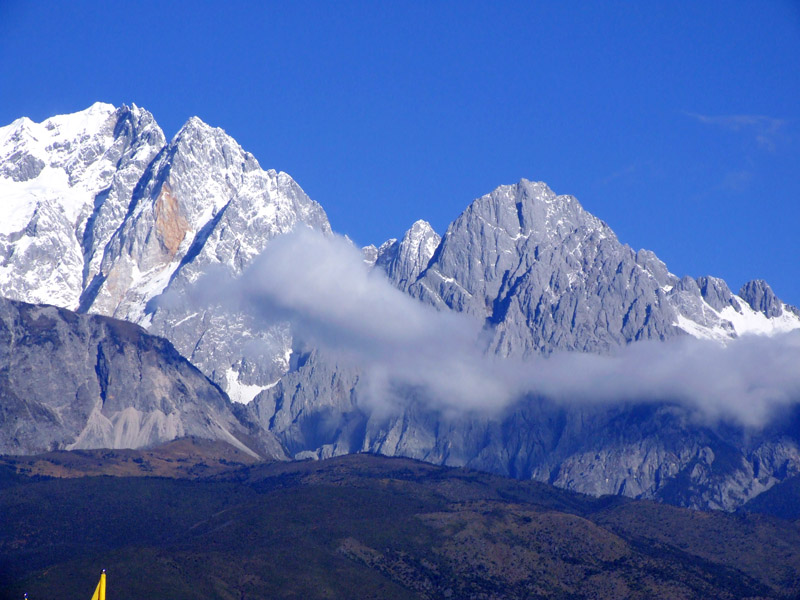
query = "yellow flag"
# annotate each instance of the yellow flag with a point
(100, 590)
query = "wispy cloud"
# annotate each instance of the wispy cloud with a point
(765, 131)
(746, 381)
(736, 181)
(322, 287)
(624, 173)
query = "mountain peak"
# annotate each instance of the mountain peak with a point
(196, 122)
(74, 124)
(528, 210)
(761, 298)
(537, 189)
(196, 127)
(420, 225)
(716, 293)
(404, 260)
(421, 232)
(101, 214)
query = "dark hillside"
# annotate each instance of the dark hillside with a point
(365, 526)
(782, 500)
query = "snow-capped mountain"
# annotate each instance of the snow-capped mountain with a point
(544, 275)
(550, 276)
(404, 260)
(66, 185)
(100, 214)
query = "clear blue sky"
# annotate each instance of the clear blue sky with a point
(678, 123)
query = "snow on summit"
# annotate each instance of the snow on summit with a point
(100, 212)
(43, 161)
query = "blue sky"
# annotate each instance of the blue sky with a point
(678, 123)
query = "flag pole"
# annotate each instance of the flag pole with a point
(100, 590)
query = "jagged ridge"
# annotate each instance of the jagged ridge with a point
(100, 213)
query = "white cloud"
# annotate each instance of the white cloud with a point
(766, 131)
(746, 380)
(334, 302)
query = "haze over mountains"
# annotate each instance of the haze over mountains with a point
(526, 340)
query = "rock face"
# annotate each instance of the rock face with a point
(544, 275)
(83, 381)
(641, 451)
(66, 185)
(403, 261)
(100, 214)
(760, 297)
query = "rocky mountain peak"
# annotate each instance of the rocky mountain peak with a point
(761, 298)
(100, 213)
(66, 185)
(198, 139)
(138, 124)
(545, 275)
(716, 293)
(524, 235)
(370, 254)
(422, 234)
(100, 383)
(531, 209)
(404, 260)
(60, 143)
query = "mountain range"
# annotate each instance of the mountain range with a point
(122, 230)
